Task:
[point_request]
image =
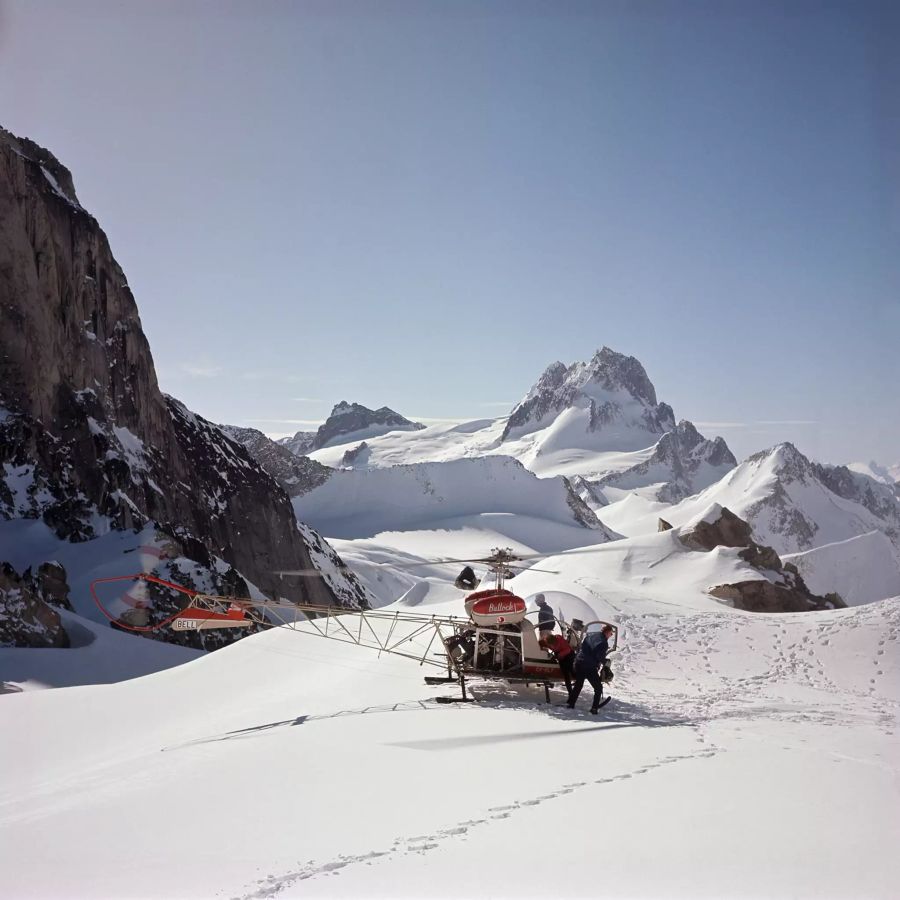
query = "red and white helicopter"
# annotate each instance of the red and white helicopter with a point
(494, 640)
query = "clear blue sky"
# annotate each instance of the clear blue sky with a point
(422, 205)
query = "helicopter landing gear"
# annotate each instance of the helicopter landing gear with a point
(463, 699)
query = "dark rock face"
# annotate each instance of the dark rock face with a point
(583, 514)
(763, 596)
(296, 474)
(347, 419)
(560, 386)
(51, 584)
(88, 442)
(783, 590)
(343, 583)
(679, 457)
(25, 619)
(354, 454)
(728, 530)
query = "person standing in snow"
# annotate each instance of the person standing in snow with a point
(591, 655)
(546, 619)
(563, 653)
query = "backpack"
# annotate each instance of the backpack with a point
(606, 673)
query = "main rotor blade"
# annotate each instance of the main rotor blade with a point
(514, 558)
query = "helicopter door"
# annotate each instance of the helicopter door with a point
(497, 651)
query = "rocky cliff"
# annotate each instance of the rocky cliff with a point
(88, 442)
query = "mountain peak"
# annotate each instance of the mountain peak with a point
(618, 371)
(350, 421)
(786, 460)
(612, 391)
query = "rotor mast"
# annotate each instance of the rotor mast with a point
(498, 564)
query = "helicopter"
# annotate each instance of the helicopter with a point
(493, 641)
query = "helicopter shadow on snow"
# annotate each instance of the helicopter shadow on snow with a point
(617, 714)
(254, 731)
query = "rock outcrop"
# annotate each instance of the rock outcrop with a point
(781, 590)
(88, 443)
(26, 620)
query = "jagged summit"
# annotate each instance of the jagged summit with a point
(348, 422)
(784, 457)
(611, 391)
(683, 462)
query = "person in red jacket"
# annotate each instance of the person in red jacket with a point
(559, 647)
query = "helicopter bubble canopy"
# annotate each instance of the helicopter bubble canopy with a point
(566, 607)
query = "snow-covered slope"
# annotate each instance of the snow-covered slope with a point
(287, 765)
(861, 569)
(362, 503)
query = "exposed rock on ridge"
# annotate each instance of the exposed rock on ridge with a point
(26, 620)
(349, 419)
(684, 459)
(782, 589)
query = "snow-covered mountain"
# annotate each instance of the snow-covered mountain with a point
(683, 462)
(607, 403)
(349, 422)
(889, 475)
(597, 422)
(788, 501)
(880, 499)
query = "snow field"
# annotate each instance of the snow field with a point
(741, 755)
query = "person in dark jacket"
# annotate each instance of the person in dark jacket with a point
(563, 653)
(591, 655)
(546, 619)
